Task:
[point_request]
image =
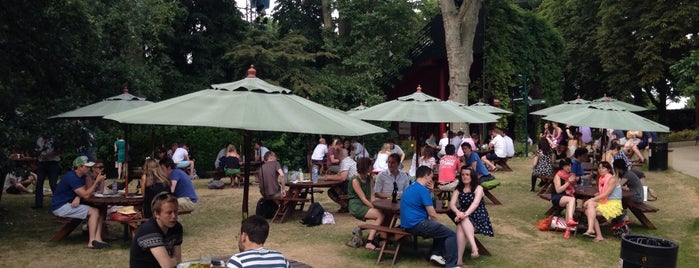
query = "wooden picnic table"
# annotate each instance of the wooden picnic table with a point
(637, 208)
(297, 195)
(392, 232)
(100, 203)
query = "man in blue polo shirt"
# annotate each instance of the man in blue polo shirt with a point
(472, 160)
(66, 200)
(180, 185)
(576, 167)
(418, 217)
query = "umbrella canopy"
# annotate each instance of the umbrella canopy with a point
(248, 104)
(111, 105)
(423, 108)
(484, 107)
(604, 115)
(358, 108)
(624, 105)
(563, 107)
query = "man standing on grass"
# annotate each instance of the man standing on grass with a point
(418, 217)
(251, 243)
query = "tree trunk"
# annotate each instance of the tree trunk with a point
(327, 18)
(459, 30)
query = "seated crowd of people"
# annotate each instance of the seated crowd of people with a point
(615, 172)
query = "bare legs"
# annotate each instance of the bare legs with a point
(94, 225)
(569, 203)
(120, 167)
(465, 231)
(378, 217)
(487, 163)
(592, 222)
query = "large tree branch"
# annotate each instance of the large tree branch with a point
(467, 8)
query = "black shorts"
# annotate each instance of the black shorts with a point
(492, 156)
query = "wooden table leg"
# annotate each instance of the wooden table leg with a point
(481, 248)
(67, 229)
(642, 217)
(491, 197)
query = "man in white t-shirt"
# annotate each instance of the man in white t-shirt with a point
(509, 145)
(318, 156)
(348, 169)
(443, 142)
(498, 147)
(181, 158)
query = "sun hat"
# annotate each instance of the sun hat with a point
(82, 161)
(127, 210)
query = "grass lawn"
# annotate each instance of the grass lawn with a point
(213, 226)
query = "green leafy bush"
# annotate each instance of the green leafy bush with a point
(683, 135)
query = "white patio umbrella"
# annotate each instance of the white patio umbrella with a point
(115, 104)
(565, 106)
(423, 108)
(248, 104)
(484, 107)
(604, 115)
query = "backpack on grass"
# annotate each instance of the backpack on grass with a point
(314, 216)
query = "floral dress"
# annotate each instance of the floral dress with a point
(479, 218)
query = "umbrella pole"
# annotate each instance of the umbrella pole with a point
(125, 166)
(246, 172)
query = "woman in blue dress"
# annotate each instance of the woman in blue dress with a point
(468, 205)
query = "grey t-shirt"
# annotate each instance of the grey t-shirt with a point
(634, 185)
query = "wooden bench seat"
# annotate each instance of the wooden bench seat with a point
(639, 209)
(286, 207)
(391, 234)
(69, 225)
(502, 162)
(130, 226)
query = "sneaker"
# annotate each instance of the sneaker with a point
(438, 259)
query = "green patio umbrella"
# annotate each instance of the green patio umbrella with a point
(248, 104)
(604, 115)
(423, 108)
(484, 107)
(119, 103)
(355, 109)
(565, 106)
(624, 105)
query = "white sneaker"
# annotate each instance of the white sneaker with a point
(438, 259)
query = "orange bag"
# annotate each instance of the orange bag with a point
(545, 224)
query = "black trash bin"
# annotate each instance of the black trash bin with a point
(657, 157)
(647, 251)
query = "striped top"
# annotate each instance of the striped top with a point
(260, 257)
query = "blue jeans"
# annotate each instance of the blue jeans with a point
(444, 239)
(46, 169)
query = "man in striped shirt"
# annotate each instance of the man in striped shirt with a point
(253, 233)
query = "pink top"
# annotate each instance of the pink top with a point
(570, 190)
(602, 185)
(447, 168)
(460, 152)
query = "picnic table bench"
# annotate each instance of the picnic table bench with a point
(502, 162)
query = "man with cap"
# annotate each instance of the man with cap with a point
(66, 200)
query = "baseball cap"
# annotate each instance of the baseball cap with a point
(82, 161)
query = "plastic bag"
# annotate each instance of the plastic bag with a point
(328, 218)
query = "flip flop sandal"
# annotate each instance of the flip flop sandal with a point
(593, 235)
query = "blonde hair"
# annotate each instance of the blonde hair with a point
(386, 147)
(153, 173)
(231, 149)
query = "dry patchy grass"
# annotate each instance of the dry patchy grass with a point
(212, 228)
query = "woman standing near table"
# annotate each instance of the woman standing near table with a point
(562, 195)
(153, 181)
(360, 199)
(471, 214)
(542, 166)
(158, 242)
(606, 203)
(120, 155)
(381, 162)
